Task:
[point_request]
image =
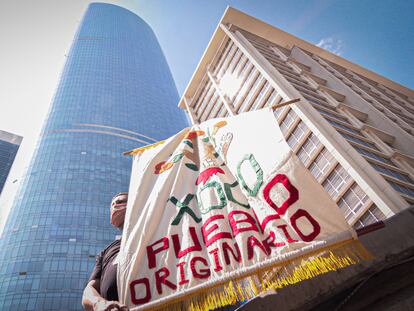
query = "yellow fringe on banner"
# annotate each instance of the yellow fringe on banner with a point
(278, 276)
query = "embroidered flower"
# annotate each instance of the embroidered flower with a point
(193, 134)
(162, 167)
(218, 125)
(207, 173)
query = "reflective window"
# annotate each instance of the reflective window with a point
(8, 152)
(352, 201)
(372, 215)
(393, 173)
(322, 163)
(297, 134)
(358, 140)
(309, 148)
(336, 181)
(373, 155)
(403, 189)
(115, 94)
(344, 127)
(288, 121)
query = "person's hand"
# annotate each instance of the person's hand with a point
(105, 305)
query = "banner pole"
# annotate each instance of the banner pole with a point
(274, 107)
(136, 150)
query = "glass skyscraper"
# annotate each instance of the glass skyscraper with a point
(9, 144)
(116, 93)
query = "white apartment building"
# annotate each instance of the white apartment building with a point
(352, 128)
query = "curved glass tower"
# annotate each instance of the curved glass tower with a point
(116, 93)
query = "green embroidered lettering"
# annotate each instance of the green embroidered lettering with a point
(219, 194)
(183, 208)
(229, 194)
(259, 175)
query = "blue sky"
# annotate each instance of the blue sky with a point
(378, 35)
(36, 35)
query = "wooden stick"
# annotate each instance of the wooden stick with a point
(274, 107)
(133, 151)
(128, 152)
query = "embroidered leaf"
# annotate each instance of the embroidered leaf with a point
(177, 158)
(192, 166)
(206, 139)
(189, 143)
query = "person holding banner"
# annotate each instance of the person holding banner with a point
(101, 293)
(225, 211)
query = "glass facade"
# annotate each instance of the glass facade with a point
(116, 93)
(9, 145)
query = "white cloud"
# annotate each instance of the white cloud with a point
(332, 45)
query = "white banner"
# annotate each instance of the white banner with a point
(218, 202)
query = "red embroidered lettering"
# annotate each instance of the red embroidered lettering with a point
(286, 233)
(134, 299)
(202, 273)
(151, 252)
(293, 193)
(177, 247)
(248, 219)
(183, 280)
(267, 219)
(252, 241)
(218, 267)
(227, 249)
(269, 242)
(215, 237)
(161, 278)
(316, 227)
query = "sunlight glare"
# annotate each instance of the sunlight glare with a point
(230, 84)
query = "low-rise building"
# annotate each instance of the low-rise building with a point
(9, 145)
